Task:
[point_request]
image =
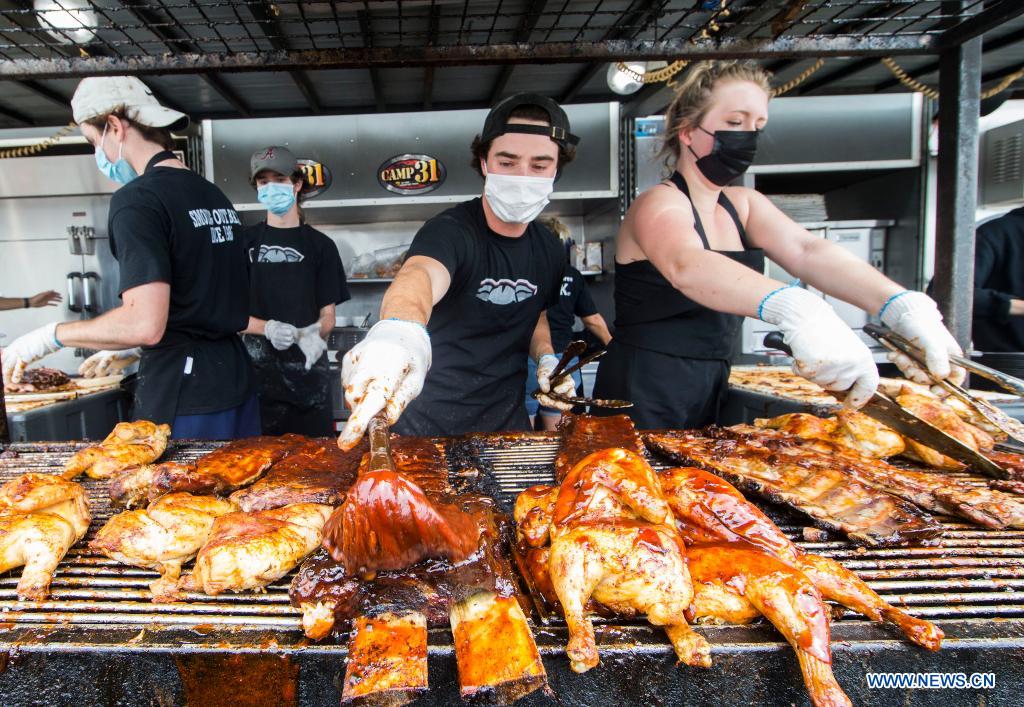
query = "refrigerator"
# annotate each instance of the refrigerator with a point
(53, 236)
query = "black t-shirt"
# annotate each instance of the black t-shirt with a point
(573, 301)
(293, 273)
(480, 331)
(171, 225)
(998, 278)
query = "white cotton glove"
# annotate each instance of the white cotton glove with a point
(825, 349)
(384, 371)
(311, 343)
(105, 363)
(28, 349)
(281, 335)
(566, 386)
(915, 317)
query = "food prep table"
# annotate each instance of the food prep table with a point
(98, 640)
(91, 415)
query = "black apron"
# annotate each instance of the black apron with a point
(163, 368)
(292, 399)
(670, 355)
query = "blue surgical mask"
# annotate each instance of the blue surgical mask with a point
(278, 197)
(120, 171)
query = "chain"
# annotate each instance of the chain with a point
(915, 85)
(36, 148)
(662, 74)
(803, 76)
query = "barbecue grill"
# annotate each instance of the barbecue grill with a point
(99, 640)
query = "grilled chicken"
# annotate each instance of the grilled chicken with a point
(849, 429)
(934, 411)
(128, 444)
(41, 517)
(735, 583)
(251, 550)
(710, 510)
(816, 483)
(225, 469)
(162, 537)
(613, 542)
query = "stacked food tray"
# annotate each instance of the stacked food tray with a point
(99, 640)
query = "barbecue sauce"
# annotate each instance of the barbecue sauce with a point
(387, 523)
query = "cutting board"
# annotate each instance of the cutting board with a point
(79, 386)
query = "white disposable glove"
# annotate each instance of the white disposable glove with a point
(28, 349)
(311, 343)
(566, 386)
(825, 349)
(915, 317)
(384, 371)
(105, 363)
(281, 335)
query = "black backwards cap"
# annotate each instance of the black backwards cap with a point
(497, 124)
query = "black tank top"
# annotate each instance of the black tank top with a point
(652, 314)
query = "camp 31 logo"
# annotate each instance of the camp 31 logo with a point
(411, 174)
(317, 177)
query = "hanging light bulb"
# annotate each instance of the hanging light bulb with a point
(623, 83)
(69, 20)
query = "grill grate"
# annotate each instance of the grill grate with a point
(976, 573)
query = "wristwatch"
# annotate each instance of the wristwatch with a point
(25, 300)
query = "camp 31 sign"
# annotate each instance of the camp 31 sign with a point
(317, 177)
(411, 174)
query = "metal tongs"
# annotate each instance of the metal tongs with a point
(1012, 428)
(575, 350)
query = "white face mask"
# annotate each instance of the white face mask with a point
(516, 199)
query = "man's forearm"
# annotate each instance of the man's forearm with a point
(1016, 307)
(120, 328)
(409, 297)
(255, 326)
(540, 342)
(13, 303)
(326, 320)
(597, 326)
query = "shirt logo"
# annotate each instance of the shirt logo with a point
(505, 291)
(277, 254)
(565, 291)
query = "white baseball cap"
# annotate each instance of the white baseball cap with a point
(102, 95)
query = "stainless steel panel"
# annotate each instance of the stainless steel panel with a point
(52, 176)
(27, 267)
(48, 218)
(1002, 164)
(353, 147)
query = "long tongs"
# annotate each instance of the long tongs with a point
(575, 350)
(999, 419)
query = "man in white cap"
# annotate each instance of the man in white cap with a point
(183, 274)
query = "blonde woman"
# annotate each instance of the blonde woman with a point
(689, 263)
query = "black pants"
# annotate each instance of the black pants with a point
(281, 418)
(668, 392)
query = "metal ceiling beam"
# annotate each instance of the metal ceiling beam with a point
(16, 116)
(266, 19)
(172, 39)
(989, 45)
(641, 16)
(463, 55)
(46, 93)
(990, 18)
(375, 81)
(428, 74)
(526, 26)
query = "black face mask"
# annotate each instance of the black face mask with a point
(731, 156)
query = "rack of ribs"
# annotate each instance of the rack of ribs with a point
(225, 469)
(391, 612)
(581, 435)
(781, 469)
